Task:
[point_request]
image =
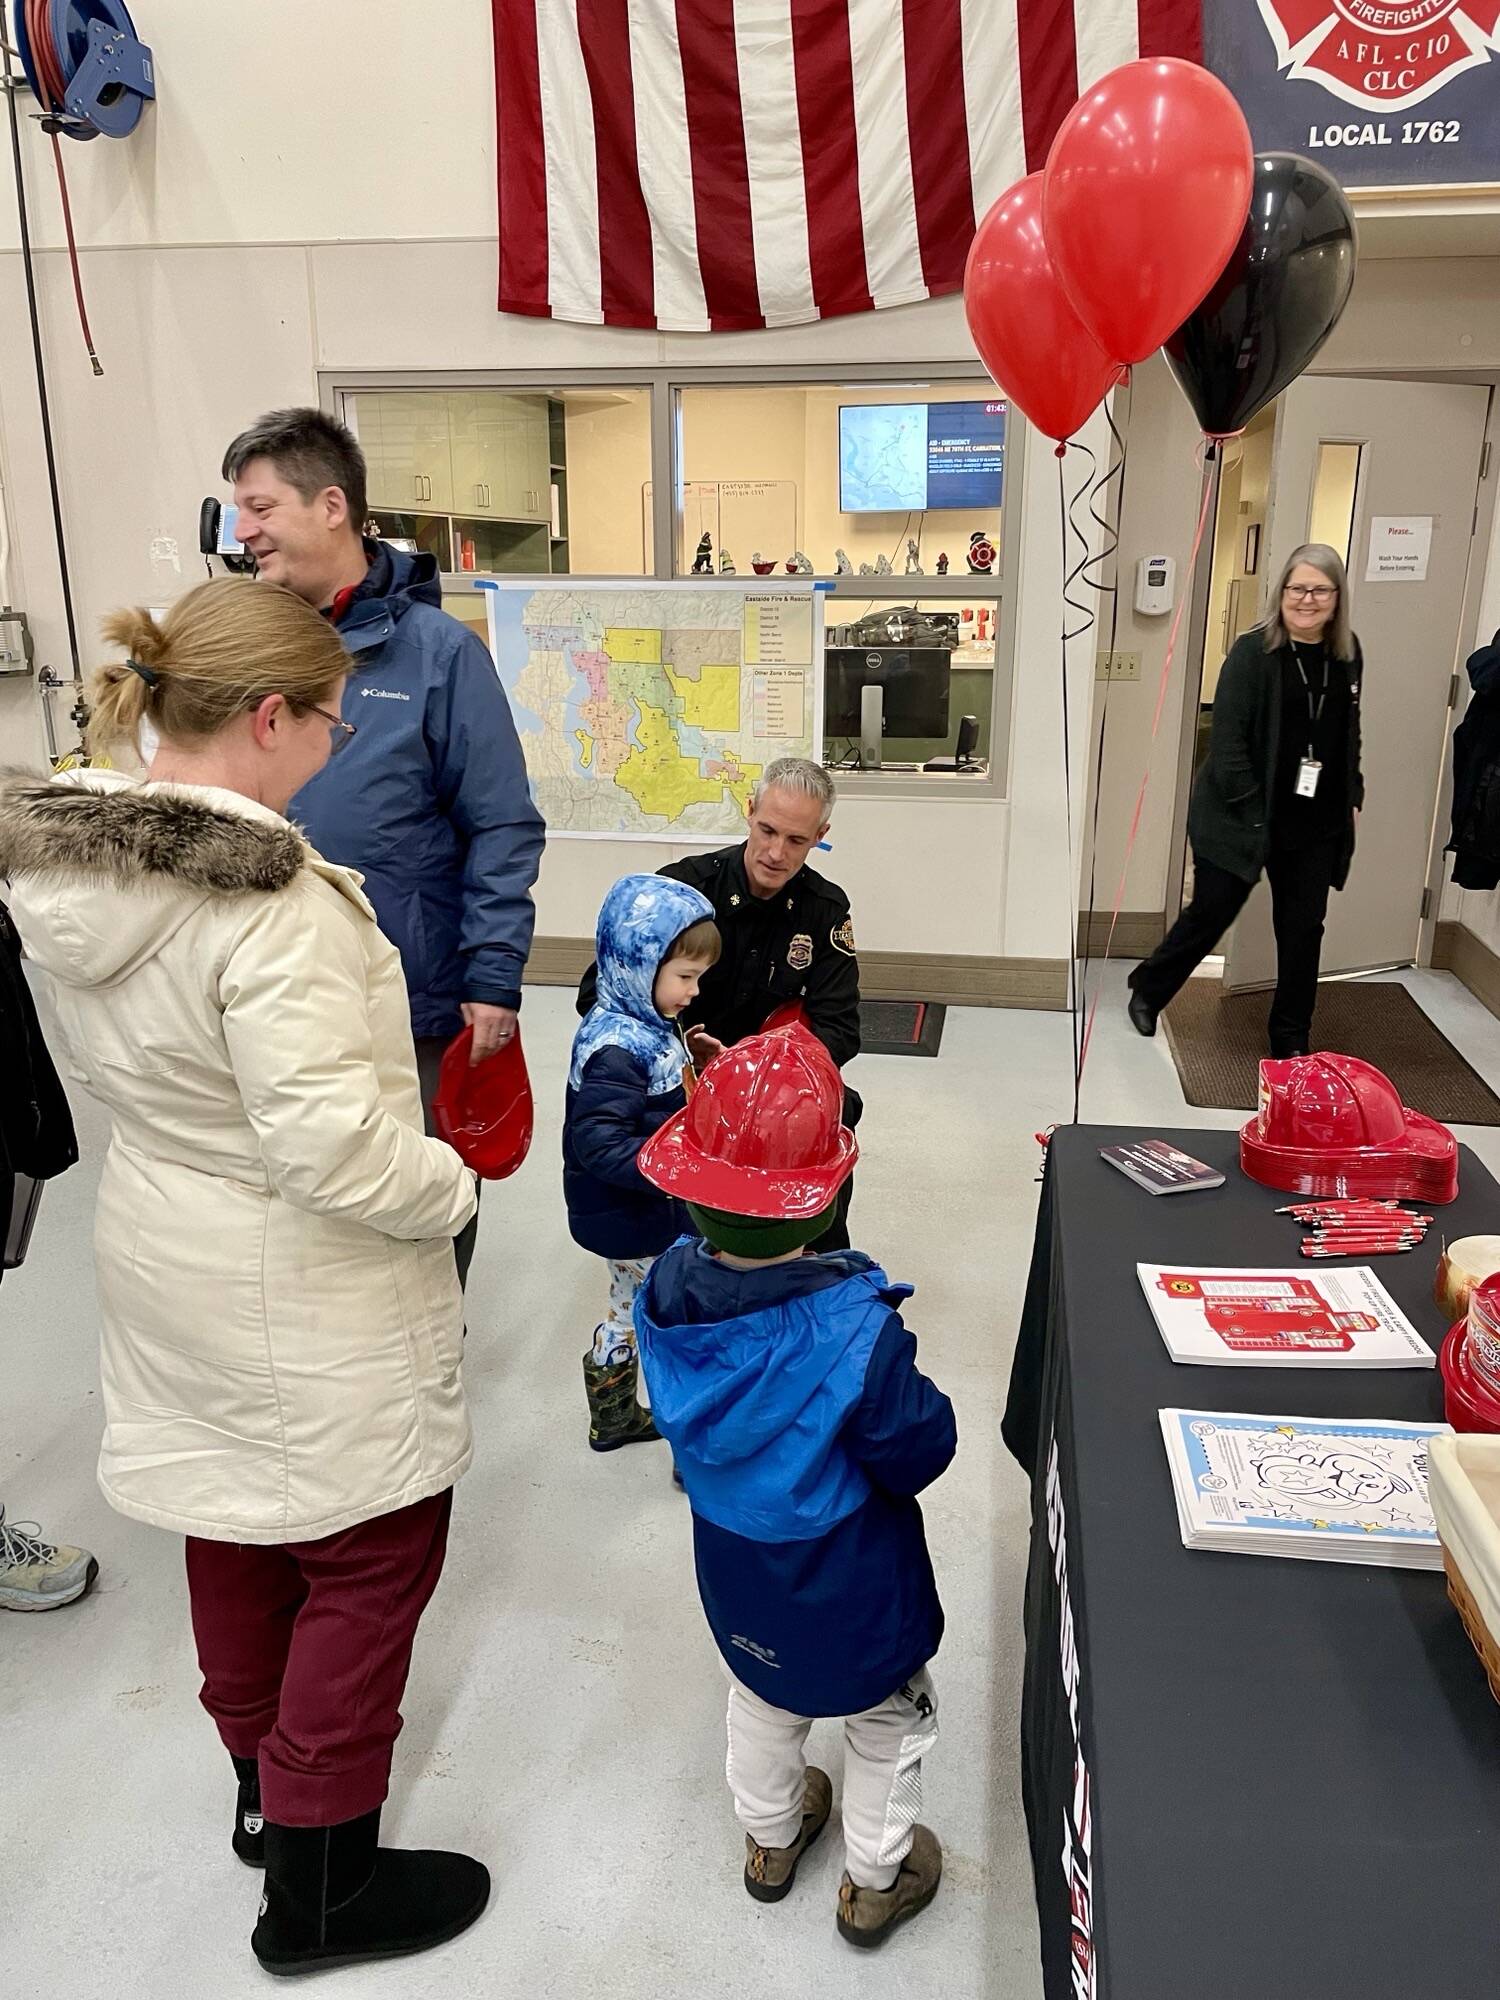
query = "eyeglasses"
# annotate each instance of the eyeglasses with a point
(1310, 593)
(340, 731)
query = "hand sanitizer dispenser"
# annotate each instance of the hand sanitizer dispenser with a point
(1155, 585)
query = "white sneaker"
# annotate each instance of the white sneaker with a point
(37, 1575)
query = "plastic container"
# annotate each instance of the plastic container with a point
(1482, 1340)
(1467, 1404)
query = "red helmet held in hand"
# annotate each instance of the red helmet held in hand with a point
(485, 1112)
(763, 1133)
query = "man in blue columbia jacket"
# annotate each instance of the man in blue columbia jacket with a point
(429, 800)
(803, 1429)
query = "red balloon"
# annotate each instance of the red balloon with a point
(1146, 190)
(1029, 337)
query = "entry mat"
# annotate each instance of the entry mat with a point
(900, 1027)
(1218, 1039)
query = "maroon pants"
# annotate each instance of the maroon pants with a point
(305, 1649)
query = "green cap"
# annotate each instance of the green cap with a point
(760, 1237)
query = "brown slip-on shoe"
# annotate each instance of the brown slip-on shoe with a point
(771, 1871)
(868, 1916)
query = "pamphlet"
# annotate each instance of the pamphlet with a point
(1160, 1168)
(1277, 1319)
(1323, 1490)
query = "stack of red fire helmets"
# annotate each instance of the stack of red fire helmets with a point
(1333, 1125)
(1470, 1362)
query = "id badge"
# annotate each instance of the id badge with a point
(1308, 773)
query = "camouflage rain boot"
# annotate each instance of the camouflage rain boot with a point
(615, 1417)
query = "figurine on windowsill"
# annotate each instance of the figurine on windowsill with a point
(761, 566)
(981, 554)
(914, 559)
(703, 562)
(942, 564)
(797, 564)
(726, 563)
(841, 564)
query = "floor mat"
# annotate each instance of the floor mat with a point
(900, 1027)
(1217, 1042)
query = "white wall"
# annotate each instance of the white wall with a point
(317, 192)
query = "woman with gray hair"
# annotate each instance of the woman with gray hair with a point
(1279, 790)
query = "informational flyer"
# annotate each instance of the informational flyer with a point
(1331, 1490)
(1342, 1318)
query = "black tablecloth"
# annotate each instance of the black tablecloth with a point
(1245, 1776)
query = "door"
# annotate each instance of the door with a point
(1352, 455)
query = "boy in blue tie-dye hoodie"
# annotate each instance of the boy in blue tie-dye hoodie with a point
(655, 939)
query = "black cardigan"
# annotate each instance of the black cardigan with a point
(1229, 820)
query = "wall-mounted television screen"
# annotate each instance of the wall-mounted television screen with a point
(898, 458)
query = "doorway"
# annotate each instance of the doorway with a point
(1387, 473)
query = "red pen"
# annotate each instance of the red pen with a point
(1370, 1249)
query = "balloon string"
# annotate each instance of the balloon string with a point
(1161, 702)
(1111, 530)
(1075, 1011)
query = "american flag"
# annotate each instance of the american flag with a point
(707, 165)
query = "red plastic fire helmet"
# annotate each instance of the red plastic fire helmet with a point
(1333, 1125)
(485, 1112)
(762, 1134)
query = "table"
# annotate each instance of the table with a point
(1244, 1776)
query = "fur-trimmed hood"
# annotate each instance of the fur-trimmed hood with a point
(105, 869)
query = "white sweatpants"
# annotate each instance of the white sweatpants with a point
(883, 1752)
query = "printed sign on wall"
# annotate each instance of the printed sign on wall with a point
(1400, 545)
(1385, 93)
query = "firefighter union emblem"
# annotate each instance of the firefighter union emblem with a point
(1383, 55)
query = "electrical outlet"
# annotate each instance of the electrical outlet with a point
(1118, 667)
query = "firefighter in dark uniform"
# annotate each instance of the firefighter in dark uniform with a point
(788, 936)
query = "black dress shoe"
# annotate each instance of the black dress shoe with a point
(1142, 1014)
(1286, 1055)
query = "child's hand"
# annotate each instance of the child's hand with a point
(703, 1047)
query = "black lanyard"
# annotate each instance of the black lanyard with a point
(1314, 715)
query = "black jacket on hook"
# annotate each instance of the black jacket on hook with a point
(37, 1139)
(1475, 838)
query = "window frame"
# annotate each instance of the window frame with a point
(664, 384)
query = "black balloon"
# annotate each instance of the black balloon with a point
(1279, 298)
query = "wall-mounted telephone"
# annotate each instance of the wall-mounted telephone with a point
(217, 537)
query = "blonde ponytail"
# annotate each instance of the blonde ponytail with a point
(220, 650)
(121, 695)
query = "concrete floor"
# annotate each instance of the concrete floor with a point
(565, 1714)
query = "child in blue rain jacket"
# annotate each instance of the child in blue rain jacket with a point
(655, 939)
(788, 1388)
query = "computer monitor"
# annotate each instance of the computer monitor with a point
(913, 681)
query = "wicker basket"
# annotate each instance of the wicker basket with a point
(1464, 1486)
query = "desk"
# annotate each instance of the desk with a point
(1245, 1778)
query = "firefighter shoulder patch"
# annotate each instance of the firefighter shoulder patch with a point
(799, 953)
(841, 937)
